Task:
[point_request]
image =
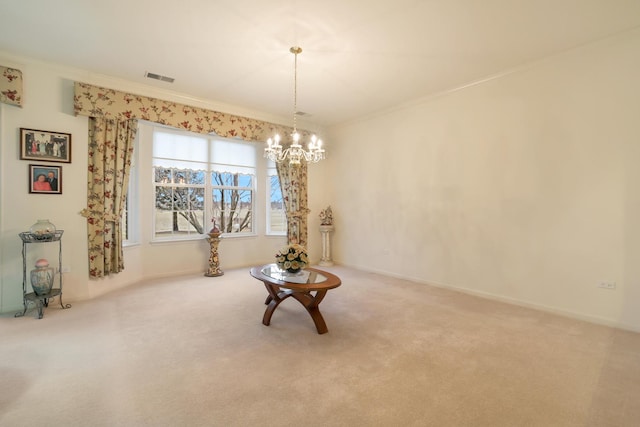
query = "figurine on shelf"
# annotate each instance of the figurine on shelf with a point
(326, 216)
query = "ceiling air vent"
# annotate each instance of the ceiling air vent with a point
(159, 77)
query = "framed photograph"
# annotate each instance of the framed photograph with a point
(45, 179)
(44, 145)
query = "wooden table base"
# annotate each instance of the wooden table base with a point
(310, 293)
(307, 299)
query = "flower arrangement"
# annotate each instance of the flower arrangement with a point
(292, 258)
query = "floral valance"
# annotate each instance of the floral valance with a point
(10, 86)
(94, 101)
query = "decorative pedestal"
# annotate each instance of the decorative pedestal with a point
(214, 261)
(326, 245)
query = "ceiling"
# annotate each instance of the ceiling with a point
(359, 56)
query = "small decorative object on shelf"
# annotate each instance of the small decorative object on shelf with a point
(292, 258)
(215, 231)
(42, 277)
(43, 229)
(326, 216)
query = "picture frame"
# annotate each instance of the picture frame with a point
(45, 179)
(45, 145)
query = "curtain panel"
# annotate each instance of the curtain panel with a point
(10, 86)
(111, 145)
(293, 182)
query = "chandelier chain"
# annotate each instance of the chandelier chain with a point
(294, 153)
(295, 89)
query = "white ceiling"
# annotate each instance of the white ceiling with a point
(359, 56)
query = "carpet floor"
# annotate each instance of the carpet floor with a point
(192, 351)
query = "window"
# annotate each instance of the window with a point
(232, 180)
(276, 217)
(179, 200)
(198, 180)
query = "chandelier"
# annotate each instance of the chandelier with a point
(295, 152)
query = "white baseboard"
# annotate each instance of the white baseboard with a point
(509, 300)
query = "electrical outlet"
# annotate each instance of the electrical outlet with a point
(607, 285)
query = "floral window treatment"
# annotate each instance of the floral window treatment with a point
(10, 86)
(293, 182)
(121, 107)
(111, 145)
(94, 101)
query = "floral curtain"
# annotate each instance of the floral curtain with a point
(10, 86)
(111, 145)
(94, 101)
(293, 182)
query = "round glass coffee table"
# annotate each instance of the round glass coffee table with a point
(308, 287)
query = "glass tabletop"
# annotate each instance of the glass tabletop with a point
(303, 276)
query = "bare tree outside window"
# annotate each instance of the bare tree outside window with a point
(179, 201)
(232, 201)
(199, 181)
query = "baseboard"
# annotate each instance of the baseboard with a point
(509, 300)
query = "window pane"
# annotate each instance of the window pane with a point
(276, 216)
(227, 179)
(191, 222)
(162, 175)
(277, 222)
(244, 180)
(196, 199)
(164, 222)
(180, 199)
(180, 176)
(164, 198)
(196, 177)
(232, 210)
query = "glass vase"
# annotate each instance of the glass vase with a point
(42, 228)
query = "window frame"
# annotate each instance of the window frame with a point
(188, 234)
(256, 196)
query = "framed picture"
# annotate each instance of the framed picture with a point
(44, 145)
(45, 179)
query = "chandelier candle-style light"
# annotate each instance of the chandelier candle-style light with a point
(295, 152)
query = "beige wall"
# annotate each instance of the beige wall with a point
(48, 105)
(523, 188)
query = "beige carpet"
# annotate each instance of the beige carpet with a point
(192, 351)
